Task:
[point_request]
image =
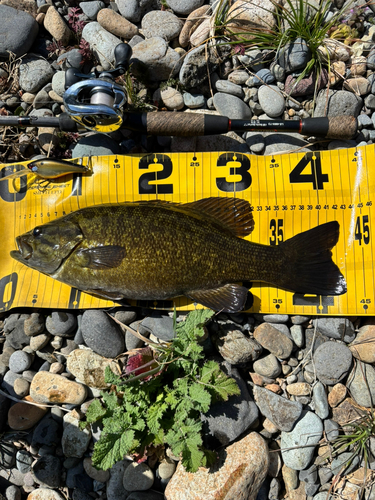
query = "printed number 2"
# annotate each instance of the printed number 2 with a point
(362, 231)
(144, 186)
(277, 234)
(316, 176)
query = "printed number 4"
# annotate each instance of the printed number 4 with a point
(316, 176)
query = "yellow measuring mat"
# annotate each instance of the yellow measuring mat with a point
(288, 194)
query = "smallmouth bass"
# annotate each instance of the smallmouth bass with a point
(157, 250)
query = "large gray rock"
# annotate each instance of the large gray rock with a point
(336, 103)
(35, 72)
(332, 362)
(231, 106)
(336, 328)
(153, 59)
(18, 31)
(361, 384)
(307, 431)
(132, 10)
(184, 7)
(281, 411)
(102, 334)
(161, 23)
(95, 145)
(200, 62)
(102, 43)
(226, 421)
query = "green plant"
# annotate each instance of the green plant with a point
(135, 101)
(160, 401)
(294, 20)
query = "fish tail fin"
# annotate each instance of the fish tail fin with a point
(308, 265)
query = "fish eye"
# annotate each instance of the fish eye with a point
(37, 232)
(32, 167)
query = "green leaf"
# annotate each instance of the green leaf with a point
(154, 416)
(110, 400)
(200, 396)
(110, 377)
(95, 411)
(111, 448)
(210, 371)
(193, 325)
(192, 458)
(225, 387)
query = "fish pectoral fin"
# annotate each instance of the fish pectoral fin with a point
(101, 257)
(229, 298)
(115, 296)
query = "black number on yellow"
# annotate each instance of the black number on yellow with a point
(362, 230)
(144, 186)
(5, 194)
(243, 170)
(277, 233)
(5, 283)
(315, 176)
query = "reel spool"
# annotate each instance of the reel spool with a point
(95, 101)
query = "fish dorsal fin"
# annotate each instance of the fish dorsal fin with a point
(229, 298)
(233, 214)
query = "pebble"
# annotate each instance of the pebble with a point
(91, 9)
(138, 477)
(20, 361)
(34, 324)
(155, 59)
(225, 421)
(45, 494)
(75, 440)
(337, 395)
(361, 384)
(132, 9)
(273, 340)
(58, 86)
(47, 471)
(336, 103)
(271, 100)
(94, 323)
(248, 455)
(193, 101)
(193, 20)
(21, 387)
(231, 106)
(234, 346)
(172, 99)
(115, 487)
(159, 325)
(98, 475)
(24, 461)
(228, 87)
(263, 76)
(37, 342)
(336, 328)
(89, 367)
(299, 389)
(161, 23)
(294, 55)
(102, 43)
(116, 24)
(363, 346)
(197, 64)
(238, 77)
(308, 430)
(280, 411)
(297, 334)
(52, 388)
(359, 85)
(34, 73)
(320, 401)
(267, 366)
(95, 145)
(332, 362)
(20, 34)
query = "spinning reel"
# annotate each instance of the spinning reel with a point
(95, 101)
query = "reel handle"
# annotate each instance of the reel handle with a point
(123, 53)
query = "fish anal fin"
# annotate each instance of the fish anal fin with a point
(104, 257)
(233, 214)
(229, 298)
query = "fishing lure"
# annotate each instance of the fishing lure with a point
(48, 169)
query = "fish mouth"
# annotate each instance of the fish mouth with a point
(24, 251)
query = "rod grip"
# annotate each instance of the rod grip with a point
(335, 127)
(185, 124)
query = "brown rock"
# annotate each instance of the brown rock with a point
(52, 388)
(299, 493)
(47, 138)
(238, 474)
(345, 413)
(273, 340)
(23, 416)
(116, 24)
(274, 388)
(290, 477)
(234, 346)
(358, 85)
(307, 85)
(45, 494)
(56, 26)
(192, 22)
(201, 34)
(337, 395)
(358, 66)
(363, 347)
(257, 379)
(89, 367)
(298, 389)
(247, 15)
(26, 5)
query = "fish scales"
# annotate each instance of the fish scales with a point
(158, 250)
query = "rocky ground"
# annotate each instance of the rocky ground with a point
(301, 378)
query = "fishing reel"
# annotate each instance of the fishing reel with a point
(95, 101)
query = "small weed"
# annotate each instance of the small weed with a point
(65, 140)
(135, 102)
(172, 82)
(74, 20)
(85, 51)
(159, 399)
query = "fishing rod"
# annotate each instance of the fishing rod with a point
(96, 102)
